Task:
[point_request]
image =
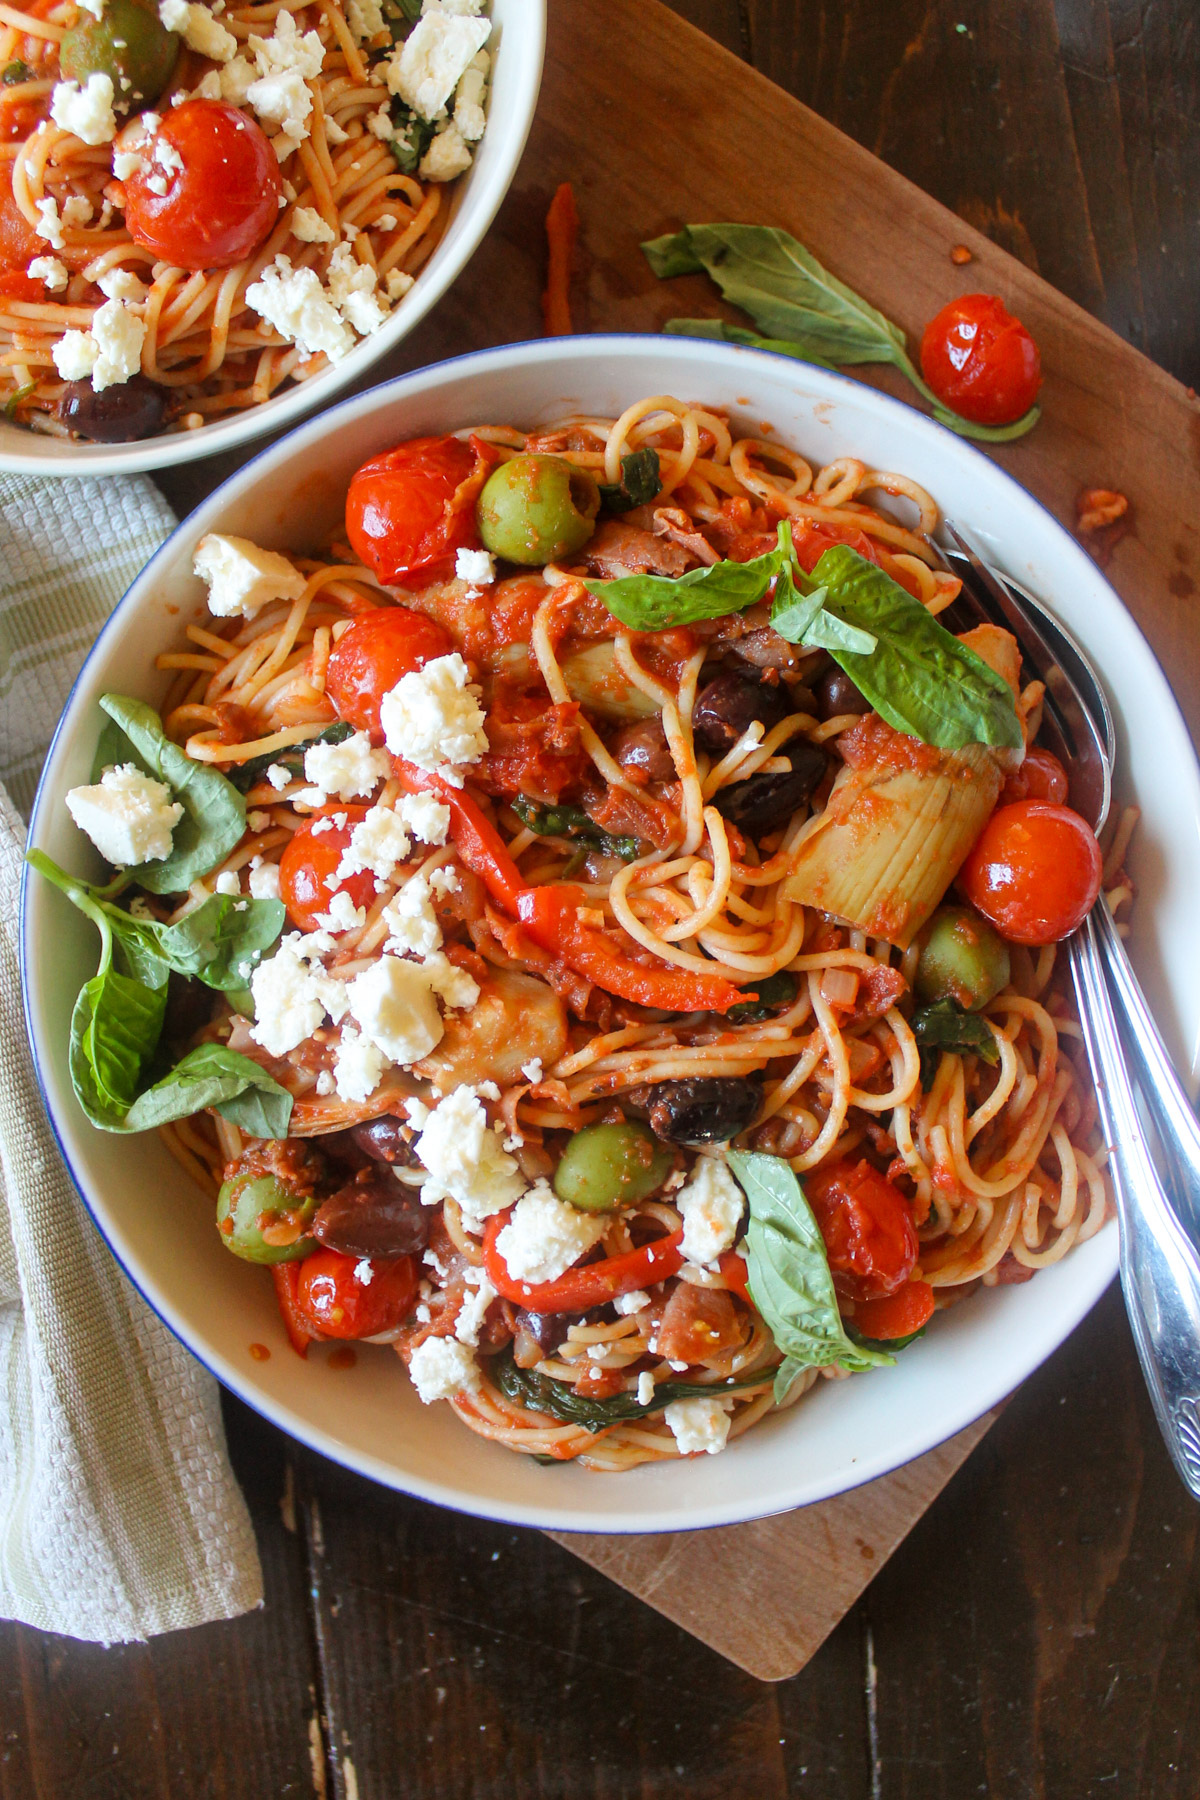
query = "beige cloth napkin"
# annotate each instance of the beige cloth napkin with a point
(119, 1514)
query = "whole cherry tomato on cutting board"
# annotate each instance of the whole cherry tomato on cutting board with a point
(1034, 871)
(370, 658)
(867, 1226)
(411, 510)
(310, 862)
(222, 187)
(980, 361)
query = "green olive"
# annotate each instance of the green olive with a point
(130, 45)
(962, 958)
(244, 1207)
(606, 1166)
(534, 509)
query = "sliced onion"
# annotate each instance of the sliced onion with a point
(839, 987)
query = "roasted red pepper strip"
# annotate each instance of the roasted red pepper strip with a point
(475, 837)
(300, 1334)
(551, 917)
(580, 1289)
(737, 1276)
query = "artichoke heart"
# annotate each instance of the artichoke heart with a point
(893, 837)
(593, 678)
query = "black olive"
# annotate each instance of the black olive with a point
(116, 415)
(837, 694)
(728, 706)
(704, 1109)
(372, 1216)
(548, 1330)
(384, 1139)
(644, 746)
(765, 803)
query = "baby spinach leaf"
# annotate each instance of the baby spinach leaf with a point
(135, 940)
(774, 992)
(561, 1401)
(115, 1029)
(571, 821)
(246, 775)
(790, 1281)
(413, 137)
(918, 677)
(945, 1026)
(723, 332)
(214, 1075)
(15, 72)
(214, 813)
(640, 481)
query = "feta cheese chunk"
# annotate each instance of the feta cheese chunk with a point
(122, 284)
(377, 843)
(433, 718)
(228, 882)
(287, 61)
(428, 819)
(354, 291)
(645, 1388)
(51, 271)
(110, 352)
(711, 1204)
(199, 30)
(310, 227)
(475, 565)
(465, 1159)
(447, 157)
(294, 302)
(343, 771)
(241, 578)
(545, 1236)
(441, 1367)
(469, 115)
(479, 1296)
(264, 881)
(431, 62)
(699, 1425)
(86, 112)
(129, 816)
(49, 225)
(452, 985)
(75, 355)
(633, 1302)
(412, 924)
(365, 19)
(358, 1066)
(343, 915)
(288, 1006)
(394, 1004)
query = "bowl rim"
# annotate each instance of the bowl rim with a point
(1051, 1330)
(285, 410)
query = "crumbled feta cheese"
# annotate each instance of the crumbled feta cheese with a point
(295, 303)
(447, 157)
(126, 163)
(110, 352)
(325, 1083)
(394, 1004)
(128, 815)
(228, 882)
(429, 65)
(75, 355)
(428, 819)
(287, 1000)
(279, 776)
(479, 1296)
(532, 1071)
(412, 924)
(209, 86)
(469, 115)
(452, 985)
(333, 131)
(49, 270)
(87, 111)
(346, 769)
(77, 210)
(445, 881)
(199, 30)
(441, 1367)
(378, 842)
(287, 62)
(122, 284)
(256, 820)
(545, 1236)
(365, 19)
(264, 881)
(398, 284)
(241, 578)
(711, 1206)
(476, 566)
(700, 1424)
(386, 222)
(645, 1388)
(49, 225)
(379, 124)
(469, 9)
(633, 1302)
(432, 717)
(342, 915)
(352, 288)
(358, 1067)
(157, 184)
(237, 78)
(310, 227)
(464, 1158)
(364, 1274)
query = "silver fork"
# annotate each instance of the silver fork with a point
(1160, 1266)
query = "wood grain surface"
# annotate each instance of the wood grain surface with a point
(1036, 1635)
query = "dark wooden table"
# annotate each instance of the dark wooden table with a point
(1037, 1635)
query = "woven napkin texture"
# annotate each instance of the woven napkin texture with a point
(119, 1514)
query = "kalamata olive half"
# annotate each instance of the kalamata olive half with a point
(643, 745)
(765, 803)
(728, 706)
(704, 1109)
(383, 1139)
(546, 1329)
(372, 1216)
(116, 415)
(837, 694)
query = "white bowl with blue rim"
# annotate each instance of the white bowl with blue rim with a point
(161, 1227)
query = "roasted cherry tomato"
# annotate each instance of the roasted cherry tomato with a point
(867, 1226)
(310, 859)
(18, 241)
(898, 1315)
(1040, 777)
(370, 658)
(335, 1302)
(221, 204)
(1034, 871)
(411, 510)
(980, 361)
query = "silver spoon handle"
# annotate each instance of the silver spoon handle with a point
(1160, 1268)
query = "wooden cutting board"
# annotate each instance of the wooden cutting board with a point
(655, 126)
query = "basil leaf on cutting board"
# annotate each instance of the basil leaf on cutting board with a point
(721, 331)
(794, 299)
(790, 1280)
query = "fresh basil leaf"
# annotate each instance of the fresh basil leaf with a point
(673, 255)
(790, 1281)
(775, 992)
(657, 602)
(945, 1026)
(15, 72)
(900, 1343)
(561, 1401)
(245, 775)
(213, 1075)
(115, 1029)
(571, 821)
(828, 632)
(918, 677)
(641, 478)
(413, 137)
(214, 813)
(725, 333)
(988, 434)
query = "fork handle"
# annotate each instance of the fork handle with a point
(1160, 1268)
